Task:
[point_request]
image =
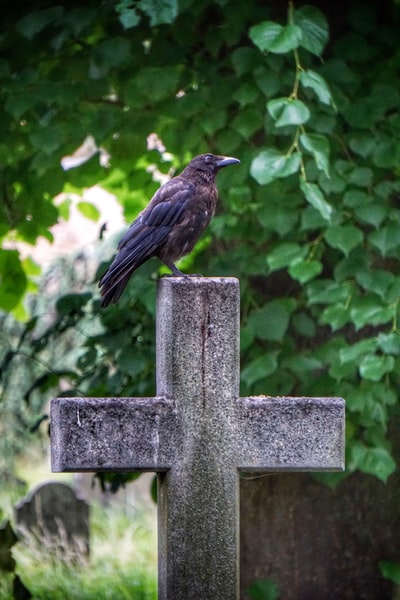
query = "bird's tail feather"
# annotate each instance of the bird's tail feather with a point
(114, 280)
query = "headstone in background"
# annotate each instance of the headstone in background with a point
(55, 517)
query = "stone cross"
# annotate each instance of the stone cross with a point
(198, 435)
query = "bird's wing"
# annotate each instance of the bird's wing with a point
(148, 231)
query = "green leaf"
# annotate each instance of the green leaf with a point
(311, 79)
(361, 176)
(373, 367)
(47, 139)
(37, 20)
(344, 237)
(263, 590)
(355, 198)
(327, 291)
(271, 164)
(303, 270)
(130, 362)
(243, 59)
(128, 16)
(88, 210)
(318, 146)
(271, 321)
(72, 303)
(155, 83)
(362, 143)
(315, 197)
(314, 27)
(283, 254)
(111, 53)
(160, 11)
(247, 122)
(375, 281)
(63, 209)
(390, 570)
(368, 310)
(355, 351)
(372, 214)
(304, 324)
(260, 367)
(386, 154)
(246, 93)
(374, 461)
(386, 239)
(274, 217)
(302, 365)
(288, 111)
(336, 315)
(13, 281)
(389, 342)
(275, 38)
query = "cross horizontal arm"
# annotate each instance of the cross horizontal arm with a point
(291, 434)
(111, 434)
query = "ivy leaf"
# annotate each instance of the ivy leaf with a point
(390, 570)
(260, 367)
(159, 11)
(315, 197)
(318, 146)
(72, 303)
(288, 111)
(157, 83)
(355, 351)
(127, 14)
(283, 254)
(314, 27)
(374, 280)
(263, 590)
(271, 321)
(275, 38)
(368, 310)
(328, 291)
(372, 214)
(385, 239)
(13, 281)
(88, 210)
(373, 367)
(271, 164)
(37, 20)
(303, 270)
(311, 79)
(336, 315)
(344, 237)
(389, 342)
(374, 461)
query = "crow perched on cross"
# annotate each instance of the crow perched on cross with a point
(169, 226)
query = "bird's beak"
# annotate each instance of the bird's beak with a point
(224, 161)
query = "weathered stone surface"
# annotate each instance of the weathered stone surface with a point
(56, 517)
(316, 542)
(198, 434)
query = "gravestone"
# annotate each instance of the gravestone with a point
(56, 518)
(198, 434)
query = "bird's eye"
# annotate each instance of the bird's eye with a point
(208, 158)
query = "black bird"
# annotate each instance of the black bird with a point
(169, 226)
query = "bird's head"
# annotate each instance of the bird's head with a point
(211, 163)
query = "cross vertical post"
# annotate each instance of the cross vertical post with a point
(197, 367)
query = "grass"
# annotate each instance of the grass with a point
(122, 563)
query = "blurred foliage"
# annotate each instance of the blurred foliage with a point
(309, 221)
(263, 590)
